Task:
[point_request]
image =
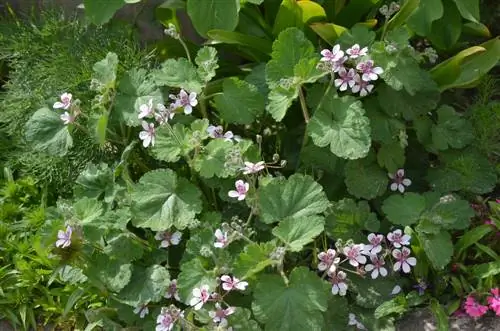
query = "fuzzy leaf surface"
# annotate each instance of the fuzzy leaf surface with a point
(298, 232)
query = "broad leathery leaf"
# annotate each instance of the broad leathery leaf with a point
(365, 179)
(87, 210)
(446, 31)
(295, 307)
(232, 37)
(105, 70)
(298, 232)
(404, 209)
(336, 317)
(178, 73)
(193, 275)
(46, 132)
(329, 32)
(421, 19)
(311, 12)
(253, 259)
(296, 197)
(469, 9)
(451, 130)
(206, 60)
(341, 123)
(240, 102)
(161, 200)
(207, 15)
(99, 13)
(438, 248)
(471, 237)
(241, 319)
(146, 285)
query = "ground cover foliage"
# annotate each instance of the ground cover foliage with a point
(307, 168)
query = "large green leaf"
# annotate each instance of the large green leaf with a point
(46, 132)
(253, 259)
(451, 129)
(240, 102)
(450, 213)
(161, 200)
(295, 307)
(125, 247)
(298, 232)
(427, 12)
(297, 14)
(296, 197)
(365, 179)
(231, 37)
(438, 248)
(112, 273)
(146, 285)
(96, 181)
(213, 14)
(99, 13)
(404, 209)
(446, 31)
(193, 275)
(211, 162)
(178, 73)
(469, 9)
(341, 123)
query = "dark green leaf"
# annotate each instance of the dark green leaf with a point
(213, 14)
(404, 209)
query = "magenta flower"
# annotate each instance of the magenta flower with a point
(333, 55)
(399, 181)
(164, 321)
(219, 315)
(368, 71)
(65, 102)
(172, 291)
(398, 239)
(185, 100)
(474, 308)
(67, 118)
(252, 168)
(229, 283)
(356, 51)
(148, 135)
(327, 260)
(376, 267)
(64, 237)
(168, 238)
(364, 88)
(200, 297)
(494, 300)
(142, 310)
(218, 132)
(375, 243)
(339, 285)
(346, 79)
(221, 239)
(241, 190)
(404, 261)
(353, 253)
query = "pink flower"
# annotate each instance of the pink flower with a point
(377, 267)
(218, 132)
(327, 260)
(338, 283)
(356, 51)
(146, 110)
(164, 321)
(241, 190)
(353, 253)
(404, 261)
(185, 101)
(375, 240)
(332, 56)
(473, 308)
(347, 78)
(399, 181)
(168, 238)
(64, 237)
(397, 238)
(172, 291)
(229, 283)
(67, 118)
(220, 239)
(65, 102)
(368, 71)
(252, 168)
(364, 88)
(148, 135)
(200, 297)
(494, 300)
(219, 316)
(142, 310)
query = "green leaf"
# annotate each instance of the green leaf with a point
(486, 269)
(391, 156)
(102, 128)
(280, 99)
(172, 143)
(404, 209)
(105, 70)
(450, 213)
(125, 247)
(440, 314)
(293, 13)
(211, 162)
(231, 37)
(213, 14)
(110, 272)
(241, 319)
(87, 210)
(253, 259)
(397, 305)
(146, 285)
(206, 60)
(469, 9)
(471, 237)
(427, 12)
(359, 34)
(95, 181)
(446, 30)
(438, 248)
(295, 307)
(370, 293)
(384, 128)
(46, 132)
(451, 129)
(364, 178)
(298, 232)
(193, 275)
(329, 32)
(297, 197)
(179, 73)
(240, 102)
(404, 14)
(72, 300)
(99, 13)
(336, 316)
(161, 200)
(341, 123)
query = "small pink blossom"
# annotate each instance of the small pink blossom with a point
(221, 239)
(327, 260)
(141, 310)
(146, 110)
(333, 55)
(67, 118)
(241, 190)
(375, 246)
(398, 239)
(355, 51)
(353, 253)
(399, 181)
(219, 315)
(172, 291)
(404, 261)
(364, 88)
(229, 283)
(252, 168)
(165, 321)
(65, 102)
(368, 71)
(474, 308)
(185, 100)
(376, 267)
(164, 114)
(200, 297)
(64, 237)
(346, 79)
(494, 300)
(339, 285)
(218, 132)
(168, 238)
(148, 136)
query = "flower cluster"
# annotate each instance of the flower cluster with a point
(241, 186)
(66, 104)
(474, 309)
(354, 69)
(168, 317)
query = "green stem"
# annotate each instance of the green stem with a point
(203, 107)
(185, 48)
(303, 105)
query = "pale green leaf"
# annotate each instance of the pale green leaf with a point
(193, 275)
(211, 162)
(213, 14)
(105, 70)
(125, 247)
(112, 273)
(280, 99)
(206, 60)
(253, 259)
(298, 232)
(95, 181)
(146, 285)
(404, 209)
(438, 248)
(178, 73)
(486, 269)
(365, 179)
